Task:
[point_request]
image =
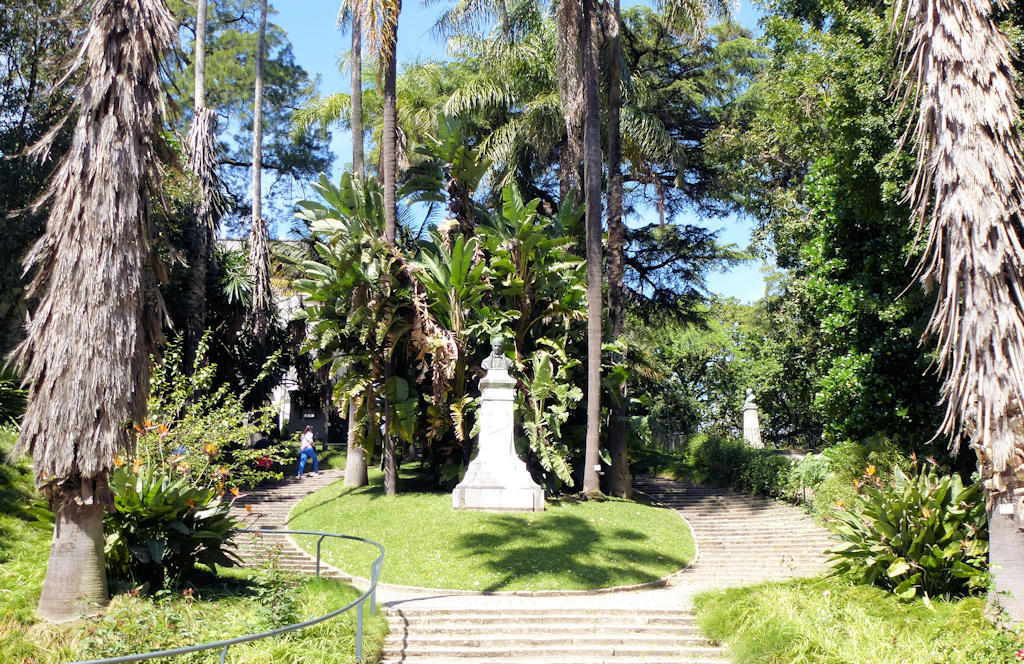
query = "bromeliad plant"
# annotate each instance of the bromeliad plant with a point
(923, 534)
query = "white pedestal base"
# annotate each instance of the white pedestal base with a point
(497, 479)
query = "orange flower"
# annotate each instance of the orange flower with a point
(191, 502)
(210, 449)
(234, 491)
(136, 466)
(870, 470)
(162, 429)
(138, 429)
(148, 423)
(248, 508)
(118, 461)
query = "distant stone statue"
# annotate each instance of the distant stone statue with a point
(497, 359)
(751, 423)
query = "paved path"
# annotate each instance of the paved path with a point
(742, 540)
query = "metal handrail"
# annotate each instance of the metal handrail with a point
(223, 646)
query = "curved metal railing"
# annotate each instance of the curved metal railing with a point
(223, 646)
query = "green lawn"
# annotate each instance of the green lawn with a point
(830, 622)
(233, 603)
(570, 546)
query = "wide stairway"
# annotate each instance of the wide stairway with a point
(546, 636)
(268, 508)
(743, 539)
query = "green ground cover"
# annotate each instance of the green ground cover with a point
(572, 545)
(829, 622)
(233, 603)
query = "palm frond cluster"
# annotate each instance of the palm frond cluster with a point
(966, 195)
(93, 259)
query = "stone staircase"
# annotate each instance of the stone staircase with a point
(743, 539)
(270, 505)
(546, 636)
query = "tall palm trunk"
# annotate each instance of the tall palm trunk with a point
(202, 162)
(592, 192)
(619, 479)
(389, 164)
(570, 93)
(260, 308)
(355, 460)
(86, 351)
(969, 168)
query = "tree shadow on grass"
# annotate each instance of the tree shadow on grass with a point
(567, 547)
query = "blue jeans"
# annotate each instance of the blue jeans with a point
(308, 453)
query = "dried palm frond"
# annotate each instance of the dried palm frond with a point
(957, 68)
(86, 349)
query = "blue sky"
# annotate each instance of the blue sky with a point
(317, 43)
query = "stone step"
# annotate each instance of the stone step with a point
(475, 630)
(405, 658)
(487, 642)
(546, 612)
(581, 652)
(587, 621)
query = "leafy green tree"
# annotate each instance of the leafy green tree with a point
(817, 164)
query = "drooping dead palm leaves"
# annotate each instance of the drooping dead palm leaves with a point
(86, 349)
(87, 346)
(957, 66)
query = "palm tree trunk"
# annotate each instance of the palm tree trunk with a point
(75, 569)
(592, 192)
(570, 93)
(200, 141)
(389, 138)
(355, 459)
(619, 480)
(260, 309)
(970, 175)
(357, 94)
(390, 166)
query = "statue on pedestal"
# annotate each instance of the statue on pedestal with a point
(497, 479)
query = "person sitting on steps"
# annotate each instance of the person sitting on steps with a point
(308, 451)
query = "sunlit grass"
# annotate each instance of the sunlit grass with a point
(572, 545)
(829, 622)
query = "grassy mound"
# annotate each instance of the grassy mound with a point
(230, 604)
(570, 546)
(829, 622)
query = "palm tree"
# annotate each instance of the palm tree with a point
(619, 480)
(261, 305)
(203, 164)
(91, 279)
(592, 198)
(689, 18)
(958, 70)
(355, 460)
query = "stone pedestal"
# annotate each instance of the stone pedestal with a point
(751, 423)
(496, 478)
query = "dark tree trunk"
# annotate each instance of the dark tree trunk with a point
(76, 568)
(201, 233)
(592, 193)
(618, 478)
(390, 166)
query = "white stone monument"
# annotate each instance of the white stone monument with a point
(751, 424)
(497, 479)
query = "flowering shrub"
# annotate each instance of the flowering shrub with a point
(164, 525)
(201, 430)
(922, 534)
